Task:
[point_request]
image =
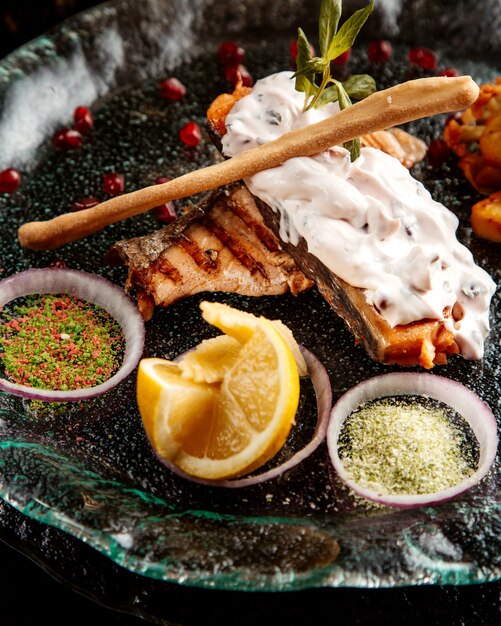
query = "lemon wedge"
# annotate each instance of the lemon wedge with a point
(241, 325)
(222, 417)
(171, 406)
(211, 359)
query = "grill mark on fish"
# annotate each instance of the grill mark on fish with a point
(201, 258)
(169, 270)
(222, 244)
(261, 231)
(236, 247)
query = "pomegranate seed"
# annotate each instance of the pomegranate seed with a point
(10, 179)
(438, 152)
(84, 122)
(293, 50)
(247, 80)
(232, 72)
(84, 203)
(59, 263)
(165, 213)
(172, 89)
(113, 183)
(379, 51)
(451, 72)
(342, 59)
(230, 52)
(190, 134)
(67, 139)
(424, 58)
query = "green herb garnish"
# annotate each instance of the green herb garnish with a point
(333, 42)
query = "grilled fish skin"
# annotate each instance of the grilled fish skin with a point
(221, 244)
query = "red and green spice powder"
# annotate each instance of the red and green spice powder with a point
(59, 342)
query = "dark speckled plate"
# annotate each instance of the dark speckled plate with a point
(88, 469)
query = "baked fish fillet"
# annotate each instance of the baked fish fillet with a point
(221, 244)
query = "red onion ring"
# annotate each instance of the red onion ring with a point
(94, 289)
(454, 394)
(323, 393)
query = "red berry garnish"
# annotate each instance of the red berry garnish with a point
(451, 72)
(230, 52)
(67, 139)
(342, 59)
(172, 89)
(424, 58)
(190, 134)
(293, 50)
(438, 152)
(233, 72)
(165, 213)
(59, 263)
(84, 203)
(10, 179)
(113, 183)
(379, 51)
(84, 122)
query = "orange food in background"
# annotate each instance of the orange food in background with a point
(222, 105)
(476, 139)
(486, 217)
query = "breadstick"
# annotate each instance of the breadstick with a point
(397, 105)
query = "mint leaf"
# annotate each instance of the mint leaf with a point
(349, 30)
(330, 12)
(319, 90)
(359, 86)
(303, 82)
(312, 67)
(344, 102)
(343, 97)
(353, 147)
(329, 94)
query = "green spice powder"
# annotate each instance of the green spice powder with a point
(397, 447)
(59, 342)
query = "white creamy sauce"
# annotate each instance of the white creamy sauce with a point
(370, 222)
